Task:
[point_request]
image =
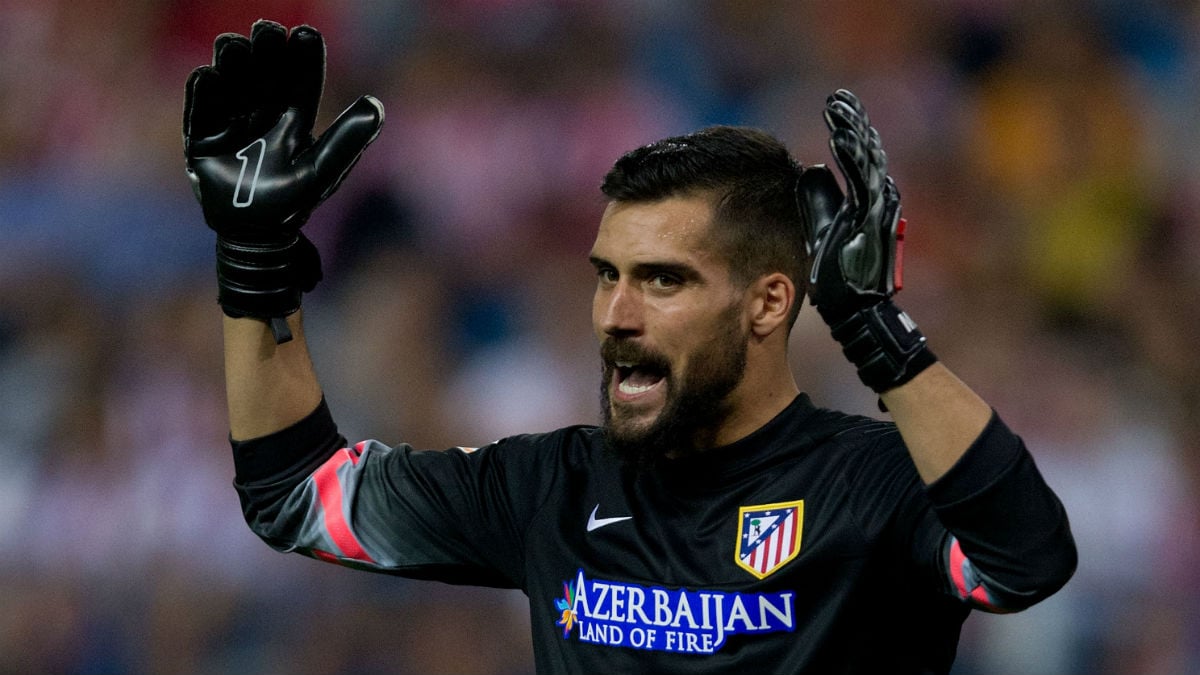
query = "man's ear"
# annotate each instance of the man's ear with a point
(771, 300)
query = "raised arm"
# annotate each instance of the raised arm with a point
(258, 173)
(1007, 542)
(268, 386)
(857, 269)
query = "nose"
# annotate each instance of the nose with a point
(617, 310)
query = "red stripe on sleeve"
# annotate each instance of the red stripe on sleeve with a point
(958, 563)
(329, 492)
(957, 558)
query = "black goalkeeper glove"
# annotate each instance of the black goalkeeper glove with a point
(256, 168)
(857, 251)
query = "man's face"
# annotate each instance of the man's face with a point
(670, 323)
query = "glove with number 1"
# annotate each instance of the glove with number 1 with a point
(256, 168)
(857, 251)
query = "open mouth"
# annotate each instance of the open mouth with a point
(636, 378)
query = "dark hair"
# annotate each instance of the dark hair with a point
(752, 179)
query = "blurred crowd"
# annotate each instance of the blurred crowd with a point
(1045, 152)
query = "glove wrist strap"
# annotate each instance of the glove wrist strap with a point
(885, 346)
(263, 279)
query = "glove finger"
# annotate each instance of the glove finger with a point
(838, 115)
(305, 72)
(851, 109)
(849, 112)
(341, 145)
(891, 193)
(845, 111)
(863, 162)
(876, 165)
(220, 43)
(819, 198)
(232, 59)
(849, 100)
(268, 41)
(850, 154)
(842, 115)
(205, 105)
(877, 156)
(875, 172)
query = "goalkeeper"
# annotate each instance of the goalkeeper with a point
(718, 520)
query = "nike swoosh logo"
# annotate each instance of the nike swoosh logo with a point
(595, 523)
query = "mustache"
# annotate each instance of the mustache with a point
(615, 350)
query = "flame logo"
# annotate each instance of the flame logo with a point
(567, 605)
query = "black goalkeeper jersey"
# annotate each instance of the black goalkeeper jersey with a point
(810, 546)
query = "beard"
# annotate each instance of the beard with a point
(696, 401)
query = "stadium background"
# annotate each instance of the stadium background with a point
(1046, 153)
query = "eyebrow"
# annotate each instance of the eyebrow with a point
(650, 268)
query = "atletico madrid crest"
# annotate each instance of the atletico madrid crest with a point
(769, 536)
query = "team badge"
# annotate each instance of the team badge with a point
(769, 536)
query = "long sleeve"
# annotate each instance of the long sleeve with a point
(456, 515)
(1010, 543)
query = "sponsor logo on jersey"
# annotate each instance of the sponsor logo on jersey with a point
(620, 614)
(769, 536)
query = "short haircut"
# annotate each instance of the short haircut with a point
(752, 180)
